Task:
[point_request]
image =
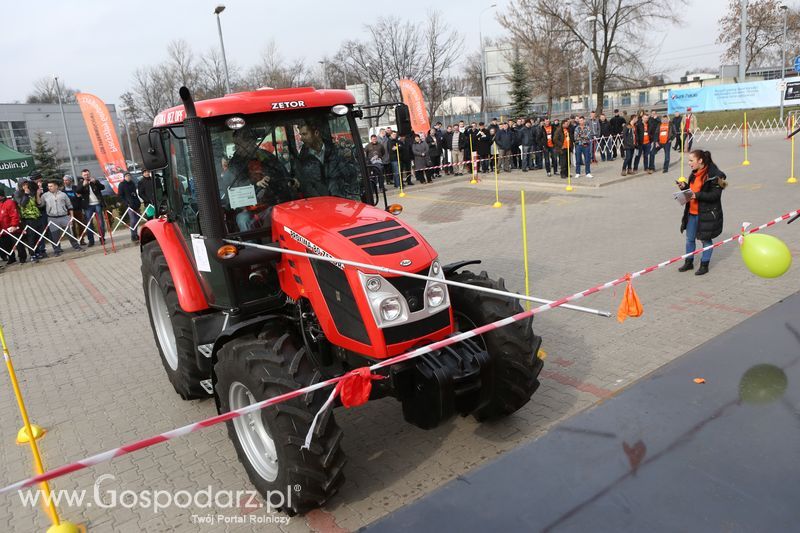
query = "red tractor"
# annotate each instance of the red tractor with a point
(286, 168)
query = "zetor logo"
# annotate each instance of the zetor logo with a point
(288, 105)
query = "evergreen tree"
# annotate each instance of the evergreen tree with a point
(520, 92)
(45, 157)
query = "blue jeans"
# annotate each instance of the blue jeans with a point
(583, 153)
(627, 163)
(691, 237)
(395, 174)
(666, 148)
(651, 163)
(643, 150)
(97, 211)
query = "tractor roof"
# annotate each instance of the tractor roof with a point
(259, 101)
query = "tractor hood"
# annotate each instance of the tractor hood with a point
(346, 229)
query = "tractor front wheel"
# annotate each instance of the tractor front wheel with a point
(514, 348)
(254, 367)
(172, 326)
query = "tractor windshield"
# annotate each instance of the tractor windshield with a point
(276, 158)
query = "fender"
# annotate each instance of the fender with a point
(190, 294)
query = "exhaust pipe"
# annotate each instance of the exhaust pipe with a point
(202, 163)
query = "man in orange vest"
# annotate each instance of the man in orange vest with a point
(666, 134)
(548, 147)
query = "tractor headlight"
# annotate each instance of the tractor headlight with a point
(435, 295)
(391, 309)
(374, 284)
(435, 269)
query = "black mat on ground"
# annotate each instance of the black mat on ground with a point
(667, 454)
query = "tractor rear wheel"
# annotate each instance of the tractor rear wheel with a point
(171, 325)
(254, 367)
(514, 348)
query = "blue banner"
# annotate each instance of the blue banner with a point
(723, 97)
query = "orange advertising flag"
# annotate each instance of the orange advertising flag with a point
(412, 97)
(106, 145)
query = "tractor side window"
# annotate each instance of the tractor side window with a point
(181, 192)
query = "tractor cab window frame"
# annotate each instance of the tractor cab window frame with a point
(181, 193)
(281, 157)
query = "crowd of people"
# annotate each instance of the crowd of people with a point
(567, 147)
(66, 210)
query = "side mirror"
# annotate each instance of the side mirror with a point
(153, 155)
(403, 118)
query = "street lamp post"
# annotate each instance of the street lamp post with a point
(217, 10)
(66, 131)
(484, 103)
(785, 10)
(591, 19)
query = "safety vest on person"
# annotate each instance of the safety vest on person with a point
(646, 138)
(549, 131)
(663, 133)
(565, 146)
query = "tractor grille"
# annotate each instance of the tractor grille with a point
(413, 290)
(394, 237)
(418, 329)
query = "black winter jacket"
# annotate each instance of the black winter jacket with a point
(526, 135)
(617, 123)
(628, 139)
(127, 193)
(709, 205)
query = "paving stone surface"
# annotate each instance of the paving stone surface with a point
(82, 346)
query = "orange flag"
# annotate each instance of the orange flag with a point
(412, 97)
(630, 304)
(104, 137)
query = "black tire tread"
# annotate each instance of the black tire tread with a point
(185, 380)
(273, 362)
(517, 375)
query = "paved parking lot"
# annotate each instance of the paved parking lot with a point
(81, 342)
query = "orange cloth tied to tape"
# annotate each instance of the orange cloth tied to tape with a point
(630, 304)
(354, 390)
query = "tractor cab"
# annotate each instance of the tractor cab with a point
(256, 150)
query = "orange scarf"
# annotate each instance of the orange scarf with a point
(696, 185)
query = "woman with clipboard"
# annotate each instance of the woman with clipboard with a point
(702, 214)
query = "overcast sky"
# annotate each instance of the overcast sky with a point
(96, 45)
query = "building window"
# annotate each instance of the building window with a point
(644, 97)
(14, 134)
(626, 99)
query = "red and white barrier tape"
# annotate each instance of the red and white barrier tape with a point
(196, 426)
(66, 231)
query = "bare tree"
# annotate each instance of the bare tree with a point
(764, 37)
(211, 75)
(273, 70)
(613, 38)
(44, 92)
(549, 49)
(442, 49)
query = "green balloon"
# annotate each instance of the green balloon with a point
(762, 384)
(766, 256)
